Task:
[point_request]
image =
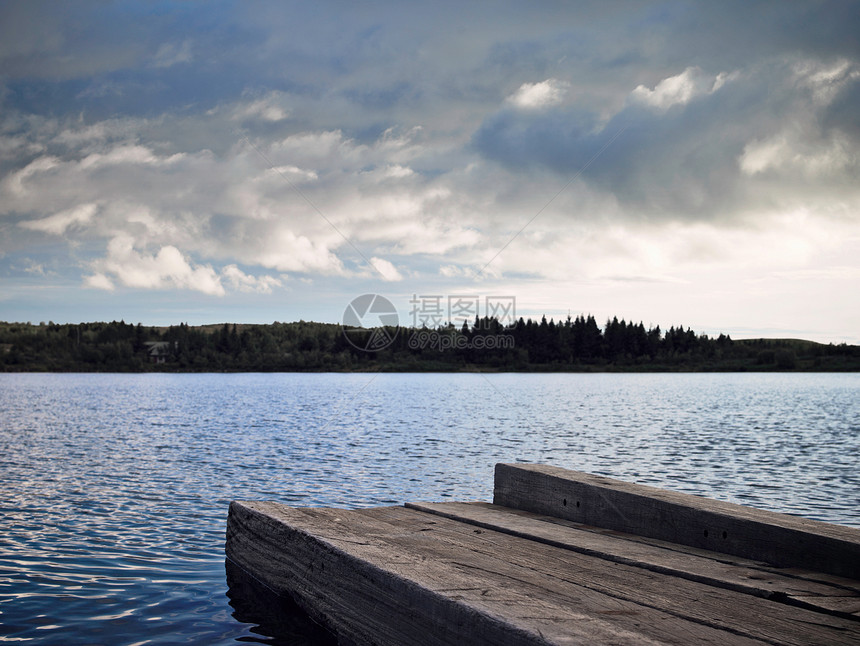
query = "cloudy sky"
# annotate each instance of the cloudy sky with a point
(671, 162)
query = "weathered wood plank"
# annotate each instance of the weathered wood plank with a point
(390, 576)
(409, 564)
(779, 539)
(665, 558)
(843, 605)
(731, 611)
(809, 577)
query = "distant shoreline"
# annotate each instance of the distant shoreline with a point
(575, 345)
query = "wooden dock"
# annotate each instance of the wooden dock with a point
(560, 557)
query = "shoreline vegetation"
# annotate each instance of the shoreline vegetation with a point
(572, 345)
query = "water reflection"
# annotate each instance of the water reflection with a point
(270, 618)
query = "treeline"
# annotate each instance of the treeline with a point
(575, 344)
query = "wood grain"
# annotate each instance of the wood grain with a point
(803, 589)
(401, 576)
(779, 539)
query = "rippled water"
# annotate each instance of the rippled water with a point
(115, 488)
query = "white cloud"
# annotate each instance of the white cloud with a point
(458, 271)
(58, 223)
(243, 282)
(395, 139)
(166, 269)
(386, 269)
(294, 172)
(823, 79)
(531, 96)
(397, 171)
(434, 237)
(318, 149)
(680, 89)
(170, 54)
(284, 250)
(35, 269)
(79, 136)
(758, 156)
(99, 281)
(125, 154)
(389, 172)
(13, 147)
(269, 108)
(16, 182)
(668, 252)
(788, 151)
(169, 269)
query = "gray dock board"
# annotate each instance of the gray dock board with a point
(779, 539)
(398, 576)
(725, 609)
(387, 576)
(802, 589)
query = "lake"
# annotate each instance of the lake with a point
(115, 488)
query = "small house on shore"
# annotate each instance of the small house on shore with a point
(158, 351)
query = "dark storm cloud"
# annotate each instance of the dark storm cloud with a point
(735, 33)
(844, 113)
(82, 39)
(650, 164)
(313, 43)
(409, 59)
(363, 68)
(680, 145)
